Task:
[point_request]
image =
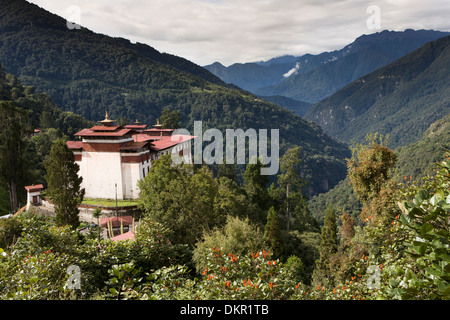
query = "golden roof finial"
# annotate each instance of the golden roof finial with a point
(107, 121)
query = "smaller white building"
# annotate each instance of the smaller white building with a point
(113, 159)
(34, 195)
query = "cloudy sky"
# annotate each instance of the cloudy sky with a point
(229, 31)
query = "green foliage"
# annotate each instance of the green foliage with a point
(64, 184)
(370, 167)
(272, 237)
(181, 200)
(341, 197)
(238, 236)
(10, 231)
(170, 119)
(14, 130)
(328, 247)
(227, 276)
(426, 217)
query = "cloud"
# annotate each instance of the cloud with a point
(229, 31)
(292, 71)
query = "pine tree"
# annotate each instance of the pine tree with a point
(272, 236)
(290, 180)
(64, 184)
(328, 245)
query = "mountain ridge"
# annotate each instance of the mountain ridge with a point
(315, 77)
(401, 99)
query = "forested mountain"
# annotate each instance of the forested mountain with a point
(414, 161)
(402, 99)
(88, 73)
(311, 78)
(38, 112)
(298, 107)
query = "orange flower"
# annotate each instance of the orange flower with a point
(271, 285)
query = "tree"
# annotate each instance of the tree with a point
(255, 184)
(64, 184)
(370, 166)
(96, 215)
(237, 236)
(170, 119)
(328, 245)
(291, 181)
(272, 233)
(14, 131)
(179, 199)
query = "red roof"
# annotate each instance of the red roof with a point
(136, 126)
(124, 236)
(104, 128)
(142, 137)
(34, 187)
(134, 145)
(170, 141)
(91, 133)
(74, 145)
(158, 130)
(127, 221)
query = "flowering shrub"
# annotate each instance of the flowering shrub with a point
(40, 276)
(226, 276)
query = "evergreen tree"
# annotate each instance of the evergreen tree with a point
(256, 185)
(272, 236)
(64, 184)
(329, 244)
(14, 131)
(291, 181)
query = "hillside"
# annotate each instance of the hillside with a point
(88, 73)
(311, 78)
(298, 107)
(402, 99)
(366, 54)
(43, 114)
(414, 161)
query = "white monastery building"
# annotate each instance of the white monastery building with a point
(113, 159)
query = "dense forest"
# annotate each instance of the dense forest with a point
(23, 110)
